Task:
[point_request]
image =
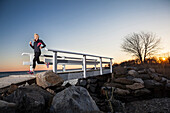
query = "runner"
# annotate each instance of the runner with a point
(37, 52)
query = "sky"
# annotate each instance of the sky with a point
(87, 26)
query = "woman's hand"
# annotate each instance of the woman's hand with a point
(40, 47)
(30, 43)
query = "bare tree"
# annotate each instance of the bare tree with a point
(141, 45)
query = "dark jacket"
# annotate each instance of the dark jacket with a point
(37, 44)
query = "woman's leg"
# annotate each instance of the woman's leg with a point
(38, 59)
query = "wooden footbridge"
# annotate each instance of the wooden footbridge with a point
(56, 60)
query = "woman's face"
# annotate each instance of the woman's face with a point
(36, 37)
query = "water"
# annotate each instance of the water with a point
(4, 74)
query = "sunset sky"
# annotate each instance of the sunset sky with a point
(87, 26)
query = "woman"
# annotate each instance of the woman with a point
(37, 51)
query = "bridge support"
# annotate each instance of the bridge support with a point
(101, 70)
(111, 65)
(55, 62)
(84, 66)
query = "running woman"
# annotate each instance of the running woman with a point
(37, 51)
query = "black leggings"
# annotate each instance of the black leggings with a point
(36, 58)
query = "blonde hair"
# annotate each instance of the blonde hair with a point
(36, 34)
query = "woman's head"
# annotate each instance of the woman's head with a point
(36, 36)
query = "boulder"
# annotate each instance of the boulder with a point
(48, 78)
(124, 81)
(12, 88)
(133, 73)
(139, 80)
(152, 70)
(92, 87)
(152, 84)
(135, 86)
(144, 71)
(120, 70)
(121, 91)
(82, 82)
(141, 92)
(92, 80)
(6, 107)
(74, 99)
(143, 76)
(31, 98)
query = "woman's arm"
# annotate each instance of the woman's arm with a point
(31, 45)
(43, 44)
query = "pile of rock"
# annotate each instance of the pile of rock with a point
(48, 96)
(132, 83)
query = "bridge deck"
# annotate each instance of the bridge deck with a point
(68, 75)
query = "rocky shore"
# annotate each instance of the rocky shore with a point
(127, 90)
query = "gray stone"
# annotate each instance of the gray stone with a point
(143, 76)
(74, 99)
(120, 70)
(121, 91)
(48, 79)
(124, 81)
(133, 73)
(152, 70)
(92, 80)
(141, 92)
(135, 86)
(31, 98)
(6, 107)
(152, 84)
(139, 80)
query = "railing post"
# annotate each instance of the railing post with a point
(111, 65)
(64, 68)
(84, 65)
(55, 62)
(101, 71)
(95, 65)
(31, 60)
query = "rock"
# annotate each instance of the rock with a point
(91, 80)
(82, 82)
(118, 106)
(6, 107)
(12, 88)
(139, 80)
(167, 86)
(92, 87)
(124, 81)
(117, 85)
(51, 91)
(120, 70)
(31, 98)
(74, 99)
(144, 71)
(143, 76)
(152, 84)
(152, 70)
(121, 91)
(133, 73)
(157, 105)
(48, 78)
(135, 86)
(141, 92)
(158, 78)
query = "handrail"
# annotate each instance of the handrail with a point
(84, 60)
(61, 51)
